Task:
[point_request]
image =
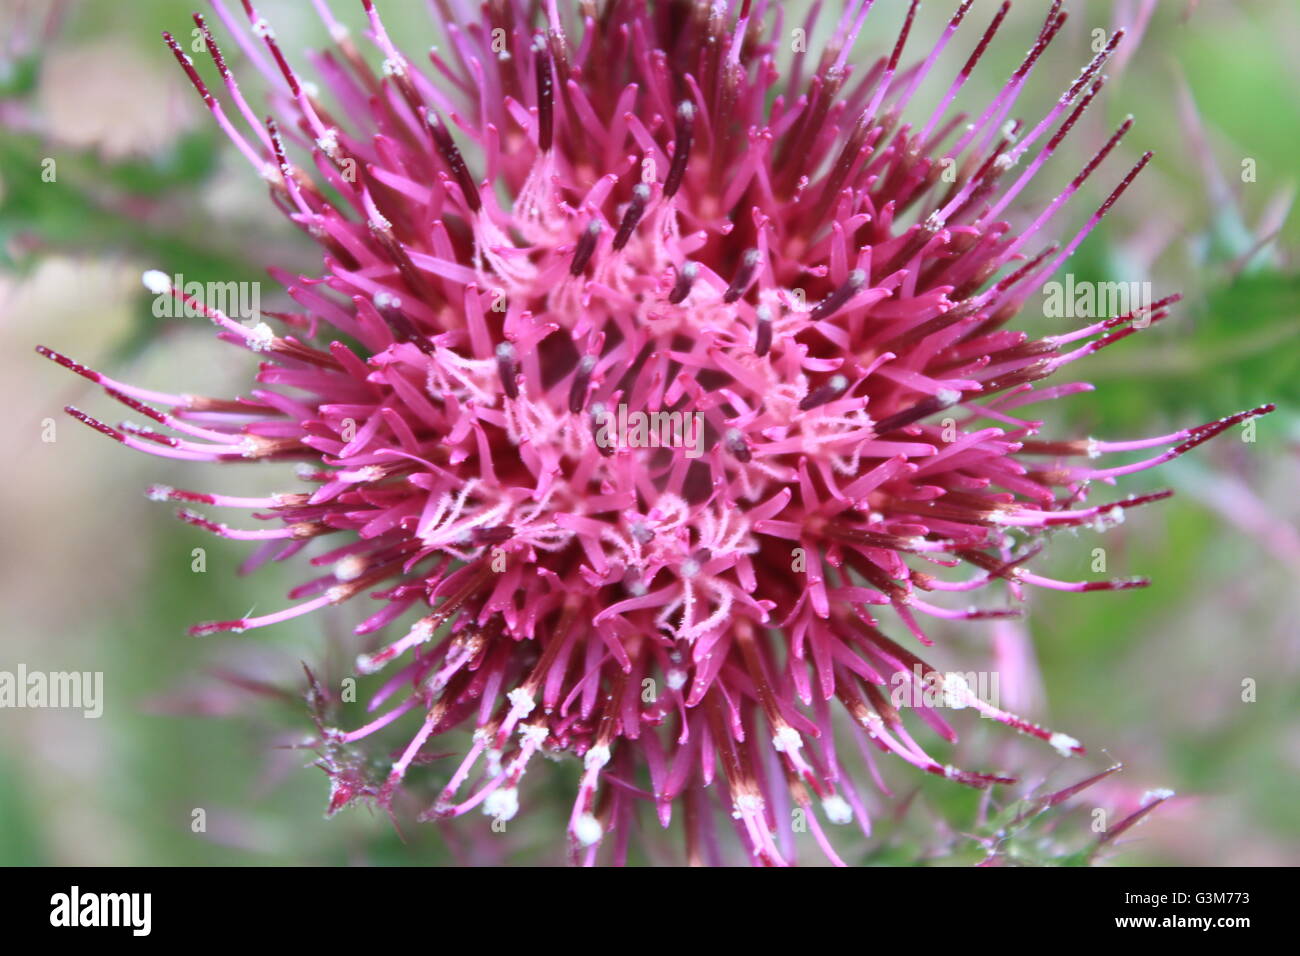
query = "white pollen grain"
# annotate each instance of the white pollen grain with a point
(1063, 744)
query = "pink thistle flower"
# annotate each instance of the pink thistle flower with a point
(573, 218)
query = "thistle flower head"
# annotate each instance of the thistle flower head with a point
(657, 384)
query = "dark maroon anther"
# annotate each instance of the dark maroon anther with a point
(1102, 153)
(736, 444)
(1118, 584)
(277, 146)
(95, 423)
(136, 405)
(508, 369)
(922, 409)
(495, 535)
(585, 247)
(1061, 133)
(635, 210)
(1091, 69)
(1011, 279)
(130, 428)
(455, 161)
(545, 103)
(1052, 26)
(68, 363)
(681, 148)
(210, 43)
(744, 275)
(1124, 184)
(835, 301)
(902, 37)
(599, 414)
(762, 330)
(685, 279)
(190, 517)
(389, 308)
(581, 379)
(1206, 432)
(986, 39)
(836, 386)
(188, 66)
(627, 383)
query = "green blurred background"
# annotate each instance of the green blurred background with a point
(95, 577)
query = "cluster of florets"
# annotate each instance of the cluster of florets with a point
(653, 210)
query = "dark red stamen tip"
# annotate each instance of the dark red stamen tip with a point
(832, 389)
(581, 380)
(138, 406)
(545, 94)
(986, 39)
(1061, 133)
(833, 302)
(494, 535)
(744, 275)
(907, 416)
(95, 423)
(451, 155)
(1124, 184)
(1206, 432)
(685, 279)
(216, 627)
(188, 66)
(762, 330)
(1102, 153)
(585, 247)
(1119, 584)
(390, 309)
(635, 210)
(598, 415)
(736, 444)
(190, 517)
(508, 369)
(210, 42)
(681, 148)
(902, 37)
(69, 364)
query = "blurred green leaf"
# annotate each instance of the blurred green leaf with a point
(20, 828)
